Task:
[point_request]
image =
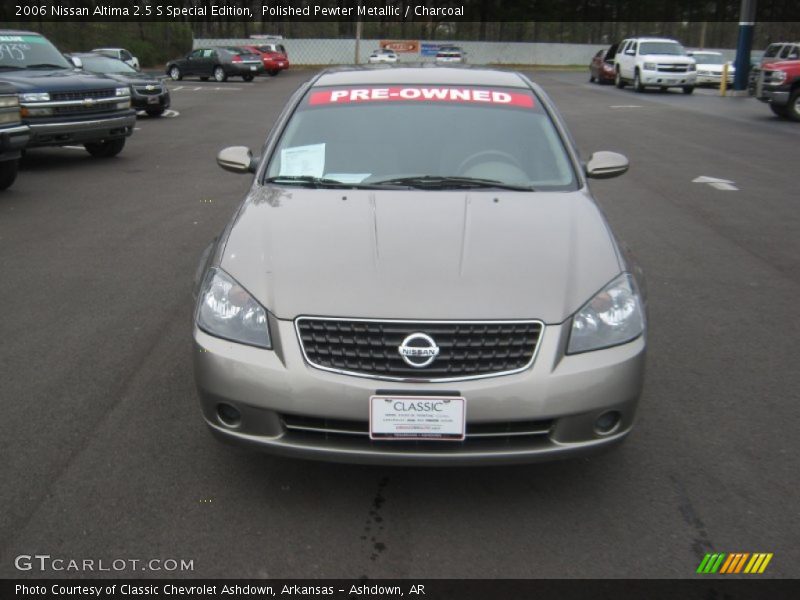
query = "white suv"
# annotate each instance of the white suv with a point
(654, 62)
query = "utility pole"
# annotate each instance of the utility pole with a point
(358, 34)
(747, 23)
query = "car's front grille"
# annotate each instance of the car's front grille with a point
(83, 110)
(155, 90)
(82, 95)
(673, 68)
(333, 428)
(371, 348)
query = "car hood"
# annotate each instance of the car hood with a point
(670, 58)
(136, 78)
(420, 254)
(55, 80)
(780, 64)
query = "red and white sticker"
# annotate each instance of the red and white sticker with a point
(424, 94)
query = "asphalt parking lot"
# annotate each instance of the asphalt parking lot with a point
(105, 454)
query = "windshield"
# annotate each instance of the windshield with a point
(103, 64)
(423, 136)
(661, 48)
(708, 59)
(30, 52)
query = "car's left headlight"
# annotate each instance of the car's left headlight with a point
(226, 310)
(614, 316)
(124, 91)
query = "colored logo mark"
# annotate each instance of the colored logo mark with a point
(735, 562)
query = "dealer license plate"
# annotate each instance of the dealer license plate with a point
(440, 418)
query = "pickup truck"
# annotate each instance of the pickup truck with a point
(13, 135)
(778, 84)
(60, 105)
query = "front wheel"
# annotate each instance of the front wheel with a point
(688, 89)
(175, 73)
(591, 77)
(637, 83)
(8, 173)
(248, 77)
(618, 81)
(106, 148)
(793, 108)
(219, 74)
(780, 111)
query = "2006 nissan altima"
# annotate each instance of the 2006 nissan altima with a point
(419, 275)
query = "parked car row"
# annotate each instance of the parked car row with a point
(46, 101)
(221, 62)
(663, 63)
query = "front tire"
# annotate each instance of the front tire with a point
(688, 89)
(175, 73)
(8, 173)
(637, 82)
(106, 148)
(219, 74)
(793, 108)
(591, 77)
(618, 81)
(780, 111)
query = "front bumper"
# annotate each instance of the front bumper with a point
(150, 101)
(60, 133)
(715, 79)
(13, 140)
(271, 388)
(778, 97)
(668, 79)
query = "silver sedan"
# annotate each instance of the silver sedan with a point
(419, 275)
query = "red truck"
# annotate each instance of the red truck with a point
(778, 84)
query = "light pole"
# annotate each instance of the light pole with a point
(747, 23)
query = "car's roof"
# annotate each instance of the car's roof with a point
(424, 73)
(18, 32)
(92, 55)
(711, 52)
(107, 48)
(654, 39)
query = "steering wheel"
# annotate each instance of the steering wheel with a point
(483, 155)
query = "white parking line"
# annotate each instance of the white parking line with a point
(715, 182)
(626, 106)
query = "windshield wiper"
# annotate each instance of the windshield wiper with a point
(322, 182)
(18, 68)
(44, 66)
(454, 182)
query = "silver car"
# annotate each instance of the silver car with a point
(419, 275)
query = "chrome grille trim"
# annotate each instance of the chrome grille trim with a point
(421, 323)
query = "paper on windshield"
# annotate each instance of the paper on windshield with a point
(303, 160)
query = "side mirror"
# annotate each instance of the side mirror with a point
(605, 165)
(237, 159)
(630, 52)
(77, 62)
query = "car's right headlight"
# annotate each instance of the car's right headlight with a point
(614, 316)
(649, 66)
(226, 310)
(35, 97)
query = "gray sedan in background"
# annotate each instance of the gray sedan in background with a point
(419, 275)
